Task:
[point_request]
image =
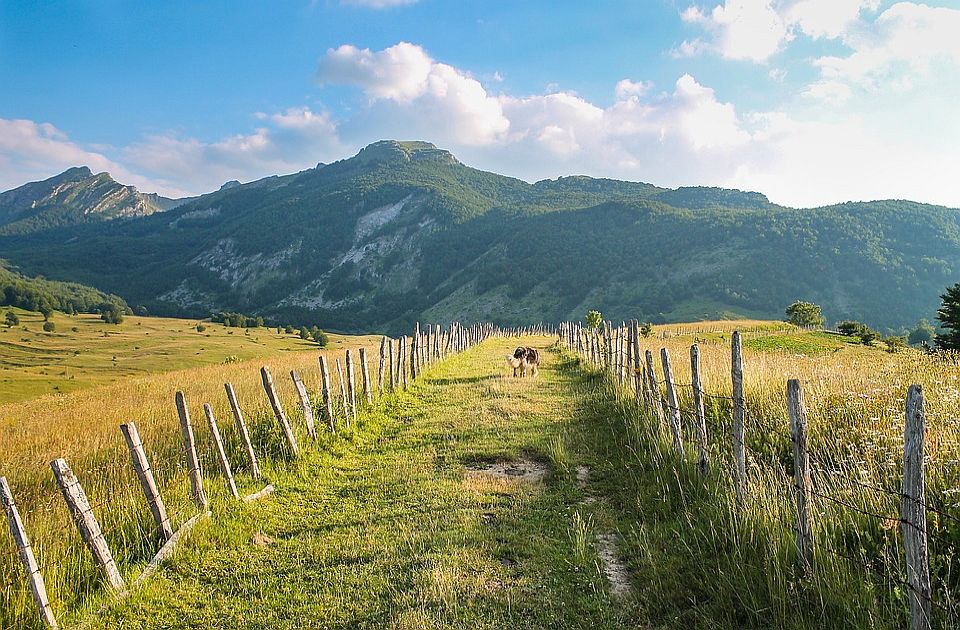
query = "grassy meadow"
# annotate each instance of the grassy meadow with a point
(708, 562)
(83, 427)
(388, 525)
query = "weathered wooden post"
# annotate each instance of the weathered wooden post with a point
(190, 446)
(242, 428)
(414, 344)
(86, 522)
(654, 388)
(149, 485)
(305, 404)
(393, 370)
(672, 402)
(404, 348)
(739, 413)
(803, 486)
(327, 394)
(437, 338)
(365, 374)
(221, 453)
(30, 566)
(383, 358)
(268, 386)
(351, 385)
(913, 511)
(343, 392)
(703, 461)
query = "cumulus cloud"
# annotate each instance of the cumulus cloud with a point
(904, 44)
(755, 30)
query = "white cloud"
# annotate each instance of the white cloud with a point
(755, 30)
(625, 88)
(905, 44)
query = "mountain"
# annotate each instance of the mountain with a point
(74, 196)
(404, 231)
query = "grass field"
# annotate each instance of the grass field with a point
(397, 523)
(84, 351)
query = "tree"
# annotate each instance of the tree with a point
(320, 337)
(201, 328)
(646, 329)
(304, 333)
(849, 328)
(46, 311)
(111, 313)
(49, 326)
(868, 336)
(949, 317)
(923, 333)
(805, 314)
(11, 319)
(594, 319)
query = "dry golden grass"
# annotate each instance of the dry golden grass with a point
(83, 428)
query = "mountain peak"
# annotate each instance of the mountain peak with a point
(403, 151)
(74, 174)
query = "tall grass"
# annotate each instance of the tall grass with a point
(83, 428)
(744, 557)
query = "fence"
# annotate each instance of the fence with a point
(616, 351)
(401, 361)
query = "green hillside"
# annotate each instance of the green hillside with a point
(404, 231)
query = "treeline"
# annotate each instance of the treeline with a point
(237, 320)
(45, 296)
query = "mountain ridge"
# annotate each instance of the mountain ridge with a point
(404, 231)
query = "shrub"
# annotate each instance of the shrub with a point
(201, 328)
(594, 319)
(895, 343)
(49, 326)
(111, 313)
(646, 329)
(11, 319)
(805, 314)
(320, 337)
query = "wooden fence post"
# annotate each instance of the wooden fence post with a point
(343, 392)
(739, 413)
(403, 359)
(304, 403)
(149, 485)
(672, 402)
(327, 394)
(30, 566)
(242, 428)
(190, 445)
(221, 454)
(703, 462)
(86, 522)
(393, 370)
(414, 345)
(383, 357)
(351, 385)
(654, 388)
(803, 485)
(365, 374)
(913, 511)
(268, 386)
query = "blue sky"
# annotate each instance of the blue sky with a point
(808, 101)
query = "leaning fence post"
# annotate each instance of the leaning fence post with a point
(242, 428)
(86, 522)
(30, 566)
(190, 445)
(304, 403)
(913, 511)
(672, 402)
(703, 463)
(801, 474)
(739, 412)
(351, 385)
(365, 377)
(654, 388)
(327, 394)
(221, 454)
(267, 379)
(142, 467)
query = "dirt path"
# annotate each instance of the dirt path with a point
(458, 504)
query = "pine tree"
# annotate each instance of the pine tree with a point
(949, 317)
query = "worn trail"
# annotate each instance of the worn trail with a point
(456, 504)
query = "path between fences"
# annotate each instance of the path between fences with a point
(457, 504)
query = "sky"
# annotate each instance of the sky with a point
(811, 102)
